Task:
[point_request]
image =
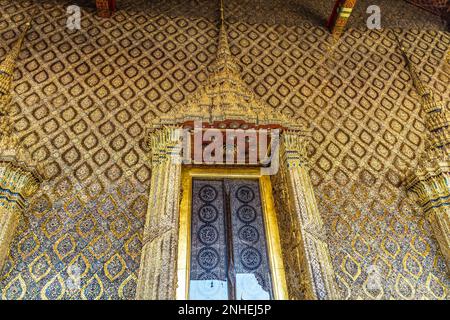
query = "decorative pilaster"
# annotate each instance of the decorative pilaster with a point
(310, 246)
(19, 175)
(339, 17)
(157, 273)
(430, 180)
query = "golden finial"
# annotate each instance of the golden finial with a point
(223, 37)
(224, 58)
(222, 18)
(402, 48)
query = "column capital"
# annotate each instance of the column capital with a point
(165, 143)
(294, 151)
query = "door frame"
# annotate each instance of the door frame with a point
(274, 253)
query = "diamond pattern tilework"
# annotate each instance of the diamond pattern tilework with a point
(83, 98)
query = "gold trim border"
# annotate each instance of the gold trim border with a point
(270, 223)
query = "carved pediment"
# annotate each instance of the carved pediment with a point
(225, 101)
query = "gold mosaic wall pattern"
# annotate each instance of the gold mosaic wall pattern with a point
(82, 100)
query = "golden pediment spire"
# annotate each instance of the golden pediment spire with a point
(9, 63)
(224, 86)
(428, 180)
(224, 61)
(224, 100)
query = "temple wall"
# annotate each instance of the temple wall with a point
(82, 100)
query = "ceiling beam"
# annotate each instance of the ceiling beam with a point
(435, 6)
(105, 8)
(339, 17)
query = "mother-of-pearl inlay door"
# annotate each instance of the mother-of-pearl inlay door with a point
(229, 258)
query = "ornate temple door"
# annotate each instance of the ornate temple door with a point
(229, 257)
(208, 261)
(228, 242)
(249, 261)
(186, 256)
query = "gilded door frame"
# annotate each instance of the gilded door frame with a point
(270, 223)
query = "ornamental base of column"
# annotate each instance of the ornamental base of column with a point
(9, 220)
(430, 183)
(440, 222)
(157, 272)
(17, 184)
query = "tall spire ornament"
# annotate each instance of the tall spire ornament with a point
(430, 179)
(20, 176)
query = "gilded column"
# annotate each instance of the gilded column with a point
(430, 179)
(19, 175)
(316, 270)
(157, 271)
